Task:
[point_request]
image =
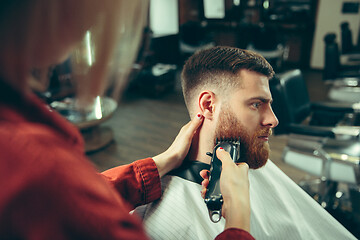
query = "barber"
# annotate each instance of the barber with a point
(49, 189)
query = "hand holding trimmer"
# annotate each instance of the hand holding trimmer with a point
(213, 197)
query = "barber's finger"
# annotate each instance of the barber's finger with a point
(203, 192)
(204, 174)
(195, 123)
(224, 156)
(190, 128)
(205, 183)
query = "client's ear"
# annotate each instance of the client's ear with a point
(206, 103)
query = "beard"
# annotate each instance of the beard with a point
(253, 151)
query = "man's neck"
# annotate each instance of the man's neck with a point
(201, 144)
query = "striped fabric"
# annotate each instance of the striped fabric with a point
(279, 210)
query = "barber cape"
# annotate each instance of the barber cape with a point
(280, 209)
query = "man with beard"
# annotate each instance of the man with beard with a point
(254, 148)
(230, 88)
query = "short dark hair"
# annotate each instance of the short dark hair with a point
(217, 66)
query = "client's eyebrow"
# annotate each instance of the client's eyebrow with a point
(262, 99)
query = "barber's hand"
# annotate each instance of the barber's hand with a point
(234, 187)
(175, 154)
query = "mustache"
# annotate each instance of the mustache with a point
(264, 132)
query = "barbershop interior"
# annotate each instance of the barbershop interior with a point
(314, 49)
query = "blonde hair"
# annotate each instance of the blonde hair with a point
(112, 29)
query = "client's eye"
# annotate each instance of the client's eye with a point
(256, 104)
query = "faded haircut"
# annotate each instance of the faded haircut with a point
(216, 69)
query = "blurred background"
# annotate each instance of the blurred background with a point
(314, 48)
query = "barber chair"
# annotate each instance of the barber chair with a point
(346, 38)
(297, 114)
(345, 90)
(334, 167)
(347, 46)
(342, 71)
(265, 41)
(193, 37)
(155, 81)
(339, 65)
(154, 73)
(323, 141)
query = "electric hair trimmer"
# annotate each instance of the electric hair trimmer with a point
(213, 197)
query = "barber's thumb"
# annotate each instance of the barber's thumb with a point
(223, 155)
